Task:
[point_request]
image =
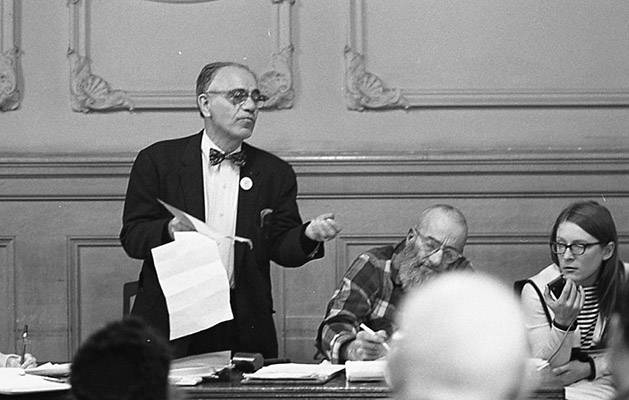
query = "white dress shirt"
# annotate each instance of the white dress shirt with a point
(221, 201)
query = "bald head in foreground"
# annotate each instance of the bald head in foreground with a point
(463, 338)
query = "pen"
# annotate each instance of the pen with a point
(369, 330)
(24, 341)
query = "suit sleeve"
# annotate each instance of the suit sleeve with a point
(287, 227)
(144, 220)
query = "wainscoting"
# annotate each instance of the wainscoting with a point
(62, 267)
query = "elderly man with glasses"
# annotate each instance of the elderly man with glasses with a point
(360, 316)
(238, 190)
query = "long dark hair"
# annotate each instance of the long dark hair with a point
(596, 220)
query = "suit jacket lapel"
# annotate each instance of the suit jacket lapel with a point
(191, 178)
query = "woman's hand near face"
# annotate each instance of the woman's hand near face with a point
(568, 305)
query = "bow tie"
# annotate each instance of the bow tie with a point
(216, 157)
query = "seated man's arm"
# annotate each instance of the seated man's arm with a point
(351, 305)
(145, 221)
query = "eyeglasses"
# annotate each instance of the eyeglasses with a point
(432, 246)
(576, 249)
(239, 96)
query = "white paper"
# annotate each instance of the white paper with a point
(365, 370)
(50, 369)
(296, 371)
(194, 282)
(15, 381)
(201, 226)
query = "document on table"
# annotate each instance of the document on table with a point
(50, 369)
(15, 381)
(356, 371)
(293, 371)
(192, 369)
(194, 282)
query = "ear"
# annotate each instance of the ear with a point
(203, 102)
(608, 250)
(411, 237)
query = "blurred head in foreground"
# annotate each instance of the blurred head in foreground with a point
(462, 337)
(123, 360)
(620, 345)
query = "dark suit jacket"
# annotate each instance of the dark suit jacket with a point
(171, 170)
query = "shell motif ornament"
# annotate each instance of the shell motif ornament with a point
(277, 83)
(364, 89)
(91, 92)
(9, 92)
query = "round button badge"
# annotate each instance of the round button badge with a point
(246, 183)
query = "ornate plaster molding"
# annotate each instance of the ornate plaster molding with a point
(364, 89)
(93, 93)
(277, 83)
(89, 92)
(9, 92)
(9, 57)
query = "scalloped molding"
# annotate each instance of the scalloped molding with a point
(364, 90)
(9, 57)
(89, 92)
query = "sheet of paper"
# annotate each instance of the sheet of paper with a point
(15, 381)
(194, 282)
(201, 226)
(296, 371)
(189, 371)
(365, 370)
(50, 369)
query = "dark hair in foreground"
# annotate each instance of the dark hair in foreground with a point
(623, 313)
(596, 220)
(123, 360)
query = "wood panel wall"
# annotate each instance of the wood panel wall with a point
(62, 267)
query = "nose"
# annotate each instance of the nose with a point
(249, 104)
(436, 258)
(567, 255)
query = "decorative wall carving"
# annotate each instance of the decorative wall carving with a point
(9, 56)
(364, 90)
(93, 93)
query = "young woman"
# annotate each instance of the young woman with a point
(568, 325)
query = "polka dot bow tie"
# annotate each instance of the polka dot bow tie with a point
(216, 157)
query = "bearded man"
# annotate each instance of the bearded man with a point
(376, 281)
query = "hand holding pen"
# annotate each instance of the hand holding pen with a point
(26, 359)
(368, 345)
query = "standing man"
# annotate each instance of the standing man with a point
(237, 189)
(375, 283)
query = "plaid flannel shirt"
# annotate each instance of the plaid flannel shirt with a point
(369, 293)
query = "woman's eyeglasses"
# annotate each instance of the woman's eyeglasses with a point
(576, 249)
(239, 96)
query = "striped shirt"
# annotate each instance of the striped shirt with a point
(586, 320)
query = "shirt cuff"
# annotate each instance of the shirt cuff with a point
(308, 245)
(337, 343)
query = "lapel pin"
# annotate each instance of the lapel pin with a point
(246, 183)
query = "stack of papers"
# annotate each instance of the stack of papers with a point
(189, 371)
(290, 372)
(365, 370)
(50, 369)
(16, 381)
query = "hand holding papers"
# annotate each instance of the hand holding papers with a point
(201, 226)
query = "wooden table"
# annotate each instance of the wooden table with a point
(337, 388)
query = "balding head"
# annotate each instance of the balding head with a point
(463, 338)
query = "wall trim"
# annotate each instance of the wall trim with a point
(92, 93)
(103, 177)
(73, 271)
(364, 90)
(10, 96)
(9, 313)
